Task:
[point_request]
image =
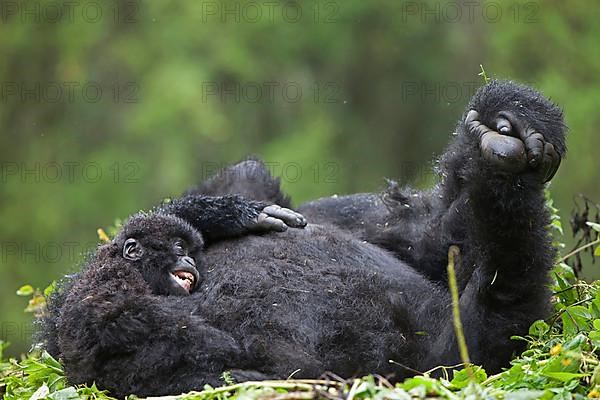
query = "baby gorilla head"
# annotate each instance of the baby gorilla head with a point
(164, 249)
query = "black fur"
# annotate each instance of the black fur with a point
(221, 217)
(108, 280)
(250, 179)
(420, 226)
(323, 299)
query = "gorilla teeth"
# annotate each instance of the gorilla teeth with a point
(185, 279)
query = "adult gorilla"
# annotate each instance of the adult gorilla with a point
(322, 299)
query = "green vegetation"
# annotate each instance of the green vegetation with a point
(562, 359)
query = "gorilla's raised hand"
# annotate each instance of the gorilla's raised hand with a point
(514, 145)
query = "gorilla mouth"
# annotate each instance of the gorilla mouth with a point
(185, 279)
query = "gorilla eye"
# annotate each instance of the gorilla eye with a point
(132, 250)
(179, 247)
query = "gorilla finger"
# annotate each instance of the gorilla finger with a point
(534, 144)
(472, 116)
(518, 125)
(268, 223)
(503, 126)
(474, 126)
(554, 161)
(290, 217)
(545, 169)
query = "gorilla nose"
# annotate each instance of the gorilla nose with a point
(188, 260)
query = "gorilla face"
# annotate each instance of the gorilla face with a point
(184, 274)
(178, 278)
(165, 250)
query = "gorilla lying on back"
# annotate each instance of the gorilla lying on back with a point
(345, 296)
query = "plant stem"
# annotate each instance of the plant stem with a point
(453, 253)
(595, 242)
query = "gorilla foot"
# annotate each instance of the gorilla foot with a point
(513, 145)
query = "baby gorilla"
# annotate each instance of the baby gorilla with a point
(163, 249)
(158, 253)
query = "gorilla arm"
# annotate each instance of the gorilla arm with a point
(506, 250)
(229, 216)
(515, 134)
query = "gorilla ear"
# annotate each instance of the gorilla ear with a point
(132, 250)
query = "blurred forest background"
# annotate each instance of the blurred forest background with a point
(109, 107)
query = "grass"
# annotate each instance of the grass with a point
(561, 360)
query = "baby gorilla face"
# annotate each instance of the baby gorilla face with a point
(183, 274)
(165, 250)
(179, 277)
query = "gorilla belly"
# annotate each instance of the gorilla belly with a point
(315, 300)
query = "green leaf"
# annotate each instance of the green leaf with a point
(596, 376)
(51, 361)
(575, 343)
(539, 328)
(575, 319)
(48, 291)
(417, 381)
(556, 224)
(529, 395)
(593, 225)
(563, 376)
(41, 393)
(594, 336)
(597, 251)
(26, 290)
(65, 394)
(462, 379)
(594, 309)
(564, 280)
